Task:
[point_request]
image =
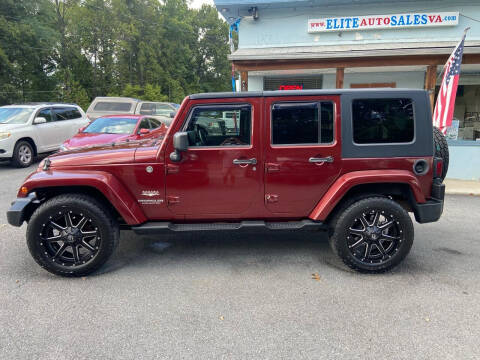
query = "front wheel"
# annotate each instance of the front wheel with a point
(22, 154)
(372, 235)
(72, 235)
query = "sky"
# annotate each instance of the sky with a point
(199, 3)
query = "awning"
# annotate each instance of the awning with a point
(351, 51)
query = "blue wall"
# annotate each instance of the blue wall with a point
(288, 26)
(464, 160)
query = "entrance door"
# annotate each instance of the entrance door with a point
(220, 173)
(303, 156)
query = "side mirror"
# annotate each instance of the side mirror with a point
(172, 114)
(82, 128)
(144, 131)
(180, 143)
(39, 120)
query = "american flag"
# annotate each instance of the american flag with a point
(443, 114)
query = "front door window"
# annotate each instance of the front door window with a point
(220, 126)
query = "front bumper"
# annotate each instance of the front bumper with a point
(21, 209)
(432, 210)
(6, 148)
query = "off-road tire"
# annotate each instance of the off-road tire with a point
(342, 223)
(441, 149)
(105, 224)
(20, 151)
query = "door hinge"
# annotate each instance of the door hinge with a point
(272, 167)
(271, 198)
(171, 200)
(172, 169)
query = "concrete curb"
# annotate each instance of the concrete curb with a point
(462, 187)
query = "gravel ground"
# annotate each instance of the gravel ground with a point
(232, 296)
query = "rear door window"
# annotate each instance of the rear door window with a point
(112, 106)
(66, 113)
(383, 121)
(302, 123)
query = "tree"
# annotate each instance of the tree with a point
(74, 50)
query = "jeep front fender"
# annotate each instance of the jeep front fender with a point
(347, 181)
(114, 191)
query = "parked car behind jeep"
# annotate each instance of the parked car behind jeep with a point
(27, 130)
(112, 129)
(104, 106)
(351, 162)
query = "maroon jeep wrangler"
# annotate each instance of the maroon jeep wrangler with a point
(350, 162)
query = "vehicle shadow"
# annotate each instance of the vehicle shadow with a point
(265, 250)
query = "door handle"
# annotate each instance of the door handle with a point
(328, 159)
(252, 161)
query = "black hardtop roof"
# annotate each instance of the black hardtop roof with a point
(244, 94)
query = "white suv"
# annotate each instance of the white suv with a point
(30, 129)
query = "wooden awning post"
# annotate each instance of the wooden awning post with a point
(430, 82)
(244, 80)
(339, 78)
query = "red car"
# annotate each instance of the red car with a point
(350, 162)
(113, 129)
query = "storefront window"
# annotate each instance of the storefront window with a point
(466, 118)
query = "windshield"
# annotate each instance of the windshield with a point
(112, 126)
(15, 115)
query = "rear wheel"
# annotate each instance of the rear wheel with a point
(22, 154)
(372, 235)
(72, 235)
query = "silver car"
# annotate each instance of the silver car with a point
(102, 106)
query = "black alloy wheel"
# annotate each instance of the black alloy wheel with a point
(373, 234)
(72, 235)
(374, 237)
(70, 238)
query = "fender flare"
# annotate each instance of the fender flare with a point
(113, 190)
(343, 184)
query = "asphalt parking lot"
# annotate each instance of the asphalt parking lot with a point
(232, 296)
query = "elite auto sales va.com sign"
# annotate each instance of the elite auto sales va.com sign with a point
(394, 21)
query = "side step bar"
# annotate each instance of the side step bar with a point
(151, 228)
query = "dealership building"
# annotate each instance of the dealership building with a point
(315, 44)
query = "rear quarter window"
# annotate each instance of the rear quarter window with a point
(383, 121)
(112, 106)
(66, 113)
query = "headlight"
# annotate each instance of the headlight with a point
(4, 135)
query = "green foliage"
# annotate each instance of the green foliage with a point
(149, 92)
(75, 93)
(74, 50)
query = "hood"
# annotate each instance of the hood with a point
(112, 153)
(9, 127)
(86, 139)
